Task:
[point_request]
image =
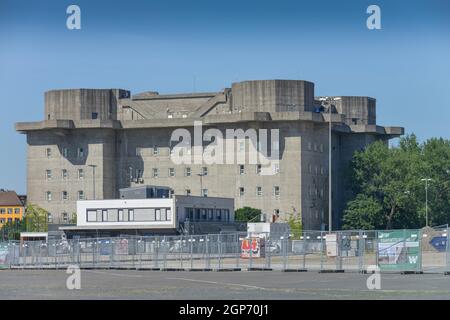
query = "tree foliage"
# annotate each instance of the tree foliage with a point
(247, 214)
(36, 219)
(387, 187)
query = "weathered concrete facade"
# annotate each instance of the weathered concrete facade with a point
(128, 137)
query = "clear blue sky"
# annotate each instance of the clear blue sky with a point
(162, 45)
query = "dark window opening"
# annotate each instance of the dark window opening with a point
(94, 115)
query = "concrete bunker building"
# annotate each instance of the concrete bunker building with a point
(127, 138)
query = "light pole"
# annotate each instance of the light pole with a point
(327, 101)
(201, 183)
(426, 199)
(93, 166)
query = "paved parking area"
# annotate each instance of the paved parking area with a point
(131, 284)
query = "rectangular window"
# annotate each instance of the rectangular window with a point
(241, 191)
(203, 216)
(80, 195)
(2, 211)
(48, 152)
(241, 169)
(218, 214)
(321, 147)
(80, 153)
(259, 191)
(277, 168)
(94, 115)
(91, 216)
(104, 215)
(10, 211)
(258, 169)
(276, 191)
(163, 214)
(65, 152)
(169, 214)
(171, 172)
(210, 214)
(2, 220)
(9, 219)
(80, 174)
(241, 145)
(64, 196)
(205, 171)
(158, 214)
(188, 192)
(130, 215)
(309, 146)
(205, 192)
(16, 210)
(155, 150)
(64, 174)
(49, 196)
(48, 174)
(152, 215)
(120, 214)
(155, 173)
(188, 172)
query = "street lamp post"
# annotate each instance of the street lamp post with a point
(426, 199)
(93, 166)
(328, 101)
(201, 183)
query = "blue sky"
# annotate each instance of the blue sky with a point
(164, 45)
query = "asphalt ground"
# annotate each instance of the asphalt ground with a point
(244, 285)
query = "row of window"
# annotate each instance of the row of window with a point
(316, 170)
(188, 171)
(317, 148)
(135, 215)
(259, 191)
(10, 210)
(3, 220)
(66, 153)
(64, 174)
(208, 214)
(64, 195)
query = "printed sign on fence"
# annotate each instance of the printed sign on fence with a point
(253, 247)
(399, 250)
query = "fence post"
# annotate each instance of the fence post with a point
(238, 250)
(268, 252)
(208, 265)
(219, 244)
(322, 248)
(361, 249)
(285, 251)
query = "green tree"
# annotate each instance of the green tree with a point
(387, 188)
(12, 229)
(295, 224)
(247, 214)
(36, 219)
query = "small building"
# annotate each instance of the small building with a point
(11, 208)
(145, 192)
(146, 217)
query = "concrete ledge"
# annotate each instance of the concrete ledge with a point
(148, 269)
(195, 269)
(411, 272)
(227, 269)
(172, 269)
(294, 270)
(331, 271)
(259, 269)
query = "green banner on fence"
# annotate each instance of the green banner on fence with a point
(399, 250)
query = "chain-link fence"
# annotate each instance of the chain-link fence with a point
(425, 250)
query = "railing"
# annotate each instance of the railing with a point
(425, 250)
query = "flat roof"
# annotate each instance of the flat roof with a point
(117, 227)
